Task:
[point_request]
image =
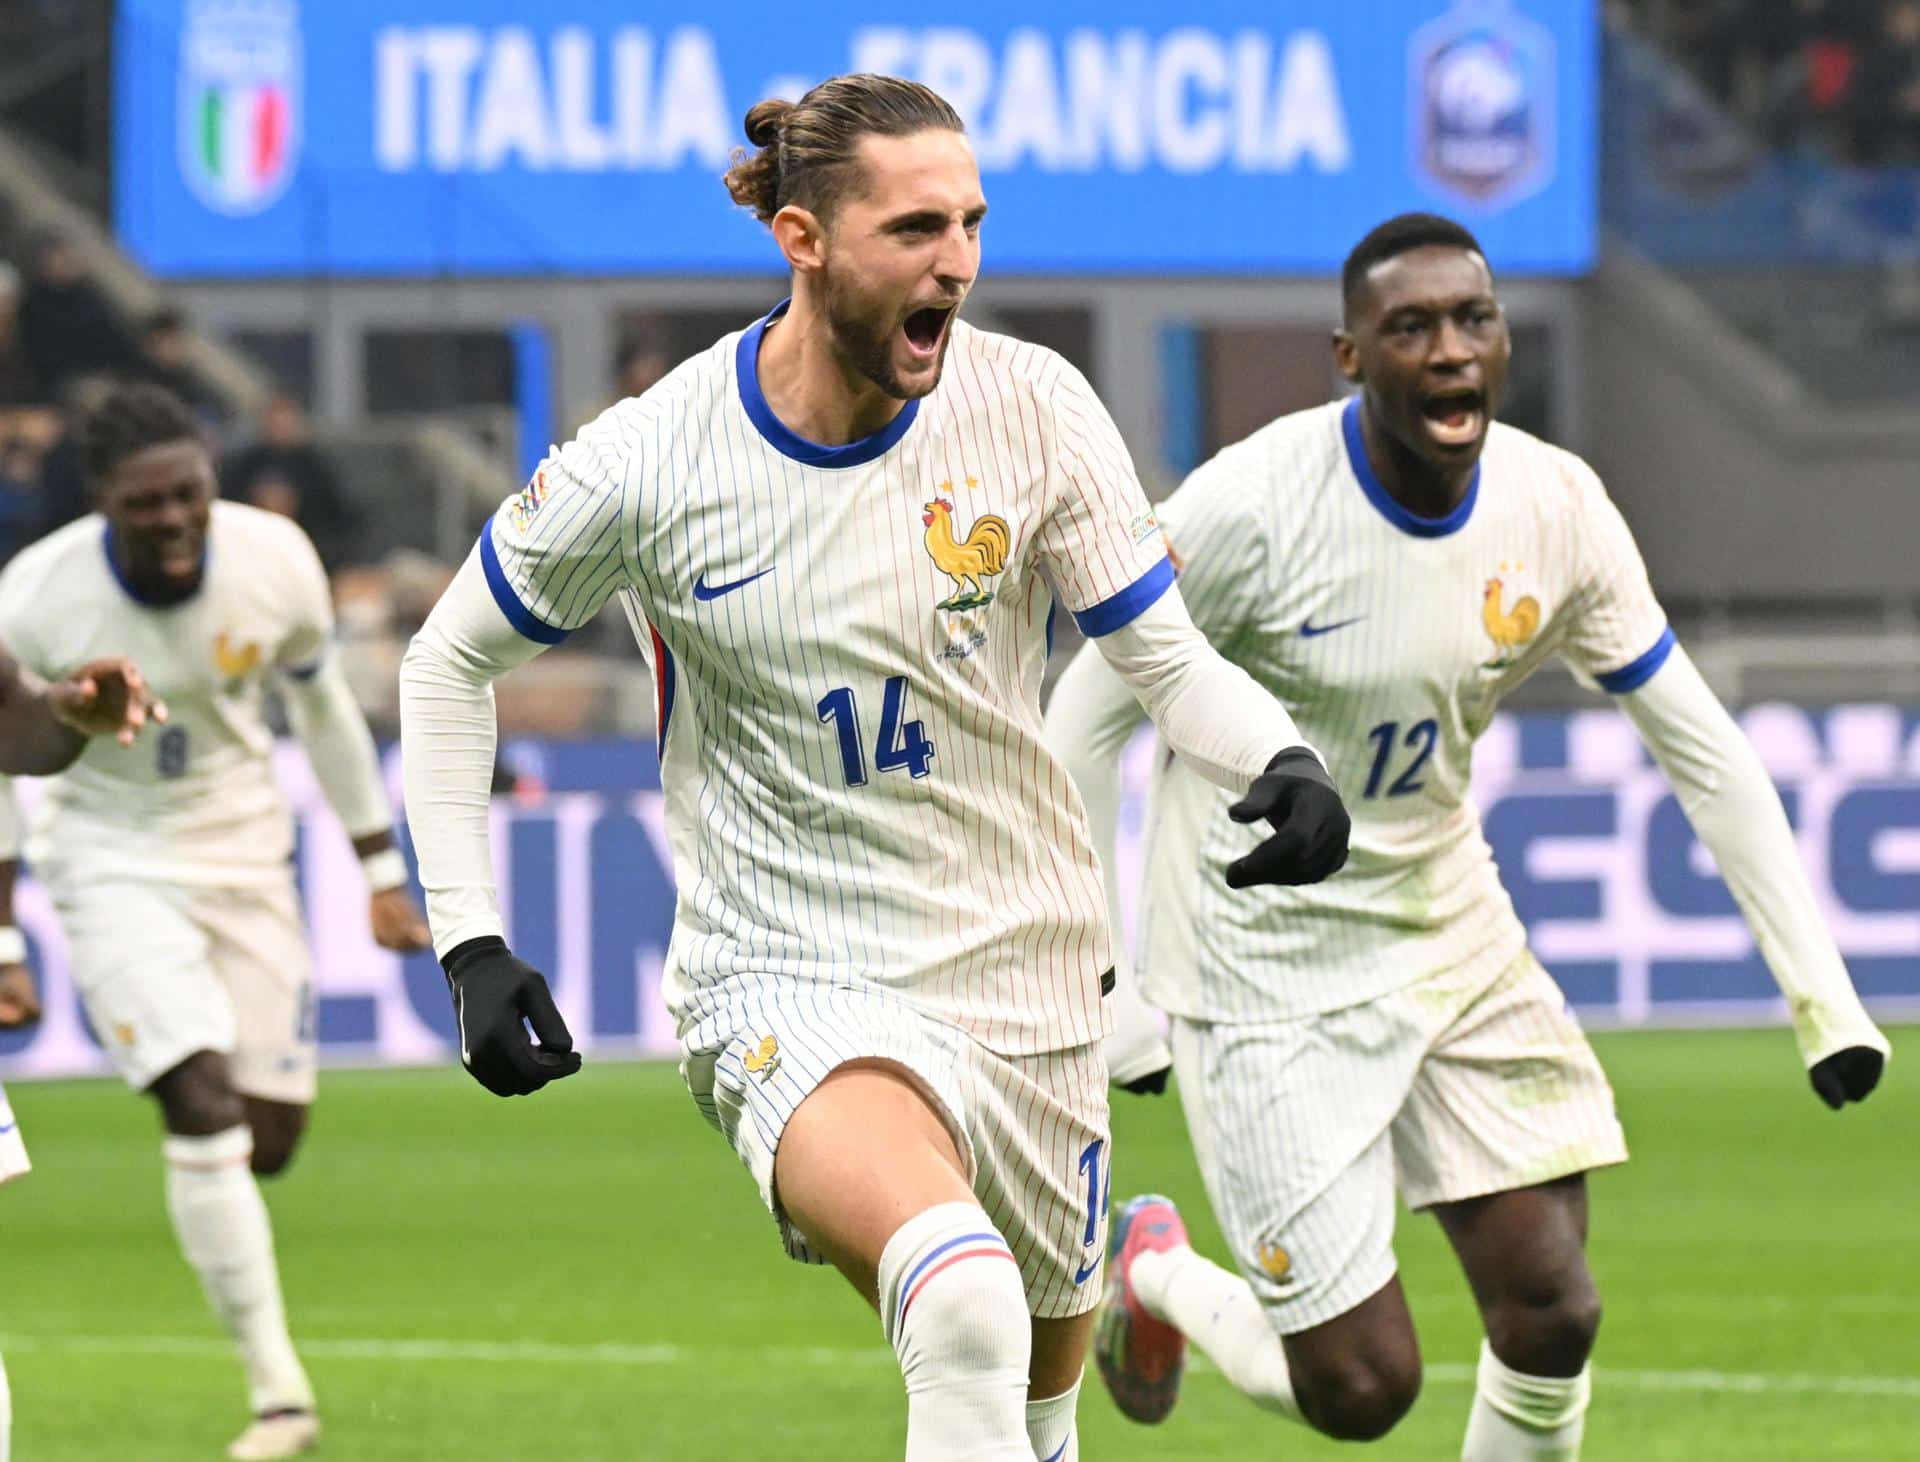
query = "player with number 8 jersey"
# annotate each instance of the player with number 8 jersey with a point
(842, 563)
(168, 857)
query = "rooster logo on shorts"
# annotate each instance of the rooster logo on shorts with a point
(763, 1061)
(1275, 1261)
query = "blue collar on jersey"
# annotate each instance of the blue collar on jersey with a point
(126, 585)
(1402, 518)
(781, 437)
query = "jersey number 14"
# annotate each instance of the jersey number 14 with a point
(901, 743)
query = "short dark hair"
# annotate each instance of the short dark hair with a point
(128, 420)
(1399, 235)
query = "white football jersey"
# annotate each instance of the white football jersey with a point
(848, 643)
(193, 800)
(1391, 638)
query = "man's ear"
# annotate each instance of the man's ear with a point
(802, 238)
(1346, 356)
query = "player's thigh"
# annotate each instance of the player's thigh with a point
(1039, 1126)
(143, 969)
(759, 1056)
(864, 1152)
(257, 944)
(1291, 1122)
(1510, 1096)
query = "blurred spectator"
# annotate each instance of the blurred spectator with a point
(20, 503)
(1885, 106)
(168, 347)
(17, 385)
(638, 367)
(1837, 77)
(66, 324)
(285, 472)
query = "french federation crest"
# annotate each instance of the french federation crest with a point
(239, 101)
(1482, 101)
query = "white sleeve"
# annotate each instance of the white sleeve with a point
(329, 723)
(447, 736)
(1208, 710)
(1736, 812)
(1089, 722)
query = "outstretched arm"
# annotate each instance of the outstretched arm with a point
(1236, 735)
(44, 727)
(447, 740)
(1736, 812)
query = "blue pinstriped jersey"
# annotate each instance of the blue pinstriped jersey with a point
(1392, 639)
(848, 643)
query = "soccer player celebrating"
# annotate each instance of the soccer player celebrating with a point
(839, 535)
(1390, 567)
(42, 729)
(168, 859)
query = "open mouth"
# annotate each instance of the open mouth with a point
(1455, 418)
(925, 328)
(179, 559)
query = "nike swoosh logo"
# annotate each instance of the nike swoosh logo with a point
(706, 593)
(1309, 629)
(1085, 1271)
(8, 1128)
(460, 1020)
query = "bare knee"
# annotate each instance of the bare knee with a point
(1359, 1398)
(1546, 1328)
(277, 1130)
(197, 1098)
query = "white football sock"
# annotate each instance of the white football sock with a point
(953, 1307)
(1218, 1312)
(222, 1225)
(1050, 1427)
(6, 1414)
(1519, 1418)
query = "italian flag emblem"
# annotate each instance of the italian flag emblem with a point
(239, 101)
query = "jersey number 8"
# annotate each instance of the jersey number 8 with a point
(170, 752)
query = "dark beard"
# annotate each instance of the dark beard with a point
(870, 349)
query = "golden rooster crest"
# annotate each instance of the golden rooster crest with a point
(967, 561)
(763, 1060)
(235, 661)
(1276, 1261)
(1509, 628)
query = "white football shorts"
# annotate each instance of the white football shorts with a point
(167, 971)
(1448, 1089)
(1032, 1130)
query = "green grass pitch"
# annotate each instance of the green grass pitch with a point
(587, 1275)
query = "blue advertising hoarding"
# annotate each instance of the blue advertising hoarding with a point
(428, 137)
(1620, 900)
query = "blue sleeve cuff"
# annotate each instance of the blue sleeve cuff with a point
(1128, 605)
(1636, 674)
(518, 615)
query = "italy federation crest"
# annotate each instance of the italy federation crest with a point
(1481, 99)
(239, 101)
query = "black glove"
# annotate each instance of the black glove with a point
(1847, 1076)
(1310, 823)
(495, 998)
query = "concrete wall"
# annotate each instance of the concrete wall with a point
(1738, 481)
